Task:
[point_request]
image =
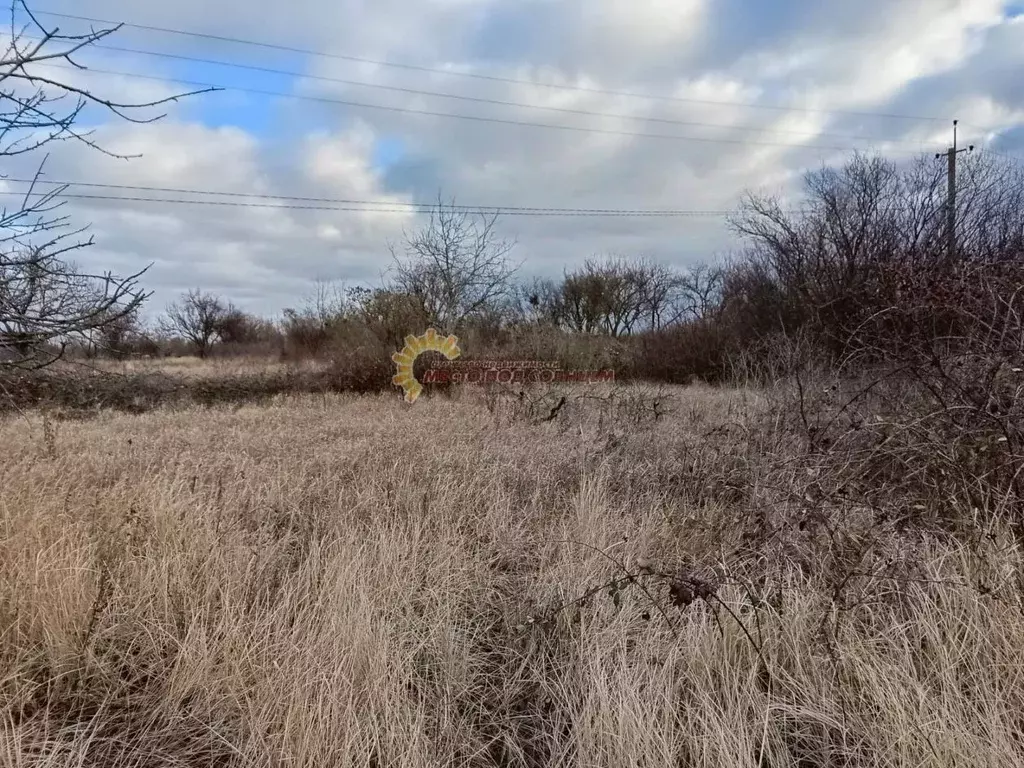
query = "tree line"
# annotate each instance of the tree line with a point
(859, 267)
(457, 293)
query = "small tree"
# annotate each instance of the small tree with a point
(870, 236)
(239, 328)
(308, 330)
(235, 326)
(47, 302)
(456, 267)
(117, 337)
(540, 301)
(390, 315)
(198, 317)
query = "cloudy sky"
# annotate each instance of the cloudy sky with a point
(581, 104)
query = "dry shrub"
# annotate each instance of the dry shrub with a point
(679, 355)
(86, 393)
(926, 409)
(360, 363)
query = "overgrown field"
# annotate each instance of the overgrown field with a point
(631, 578)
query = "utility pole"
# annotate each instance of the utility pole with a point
(951, 154)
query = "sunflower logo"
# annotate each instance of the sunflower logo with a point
(414, 347)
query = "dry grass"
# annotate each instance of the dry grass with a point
(343, 580)
(194, 367)
(73, 390)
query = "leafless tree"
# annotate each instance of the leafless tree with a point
(455, 267)
(871, 235)
(117, 336)
(697, 293)
(539, 301)
(390, 315)
(596, 298)
(238, 327)
(198, 317)
(616, 296)
(659, 289)
(328, 303)
(46, 301)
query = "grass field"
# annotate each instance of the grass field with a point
(352, 581)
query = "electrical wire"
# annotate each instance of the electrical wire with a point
(475, 118)
(480, 76)
(338, 201)
(483, 100)
(303, 207)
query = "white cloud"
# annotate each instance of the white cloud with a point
(266, 254)
(913, 57)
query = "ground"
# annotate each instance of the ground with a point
(332, 580)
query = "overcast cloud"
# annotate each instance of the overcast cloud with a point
(855, 71)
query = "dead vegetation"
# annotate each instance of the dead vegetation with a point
(348, 580)
(76, 391)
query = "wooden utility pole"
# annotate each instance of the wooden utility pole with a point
(951, 154)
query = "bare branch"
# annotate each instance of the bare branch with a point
(46, 302)
(457, 267)
(198, 317)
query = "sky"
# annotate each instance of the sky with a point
(604, 104)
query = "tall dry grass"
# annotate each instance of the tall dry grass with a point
(342, 580)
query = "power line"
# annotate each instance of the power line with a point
(483, 100)
(476, 118)
(479, 76)
(538, 212)
(416, 207)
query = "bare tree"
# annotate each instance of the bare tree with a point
(198, 317)
(390, 315)
(871, 236)
(659, 290)
(46, 301)
(616, 296)
(539, 301)
(238, 327)
(116, 337)
(456, 267)
(697, 293)
(625, 289)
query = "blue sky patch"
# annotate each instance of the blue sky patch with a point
(257, 113)
(416, 174)
(387, 151)
(1010, 141)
